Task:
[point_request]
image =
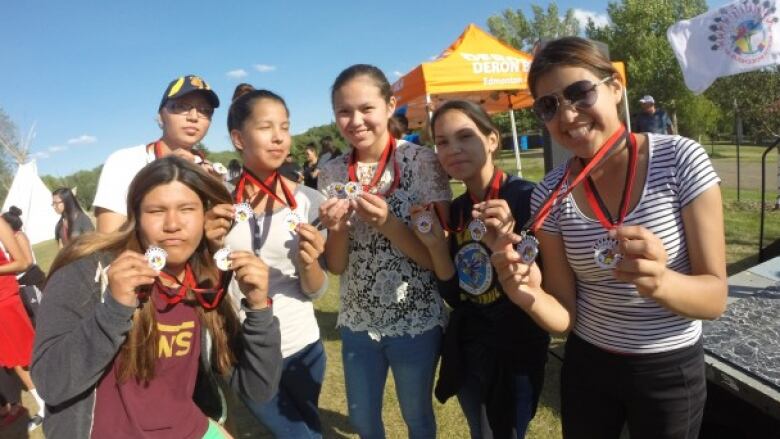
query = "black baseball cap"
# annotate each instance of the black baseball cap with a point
(188, 84)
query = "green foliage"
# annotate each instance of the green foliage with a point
(697, 116)
(515, 29)
(9, 134)
(315, 134)
(757, 95)
(525, 120)
(636, 35)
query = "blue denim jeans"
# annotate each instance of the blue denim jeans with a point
(293, 412)
(470, 399)
(413, 362)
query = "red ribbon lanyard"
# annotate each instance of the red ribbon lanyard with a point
(537, 220)
(491, 192)
(388, 154)
(266, 187)
(445, 225)
(156, 147)
(208, 297)
(597, 203)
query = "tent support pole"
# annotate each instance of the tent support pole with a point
(514, 142)
(429, 114)
(625, 106)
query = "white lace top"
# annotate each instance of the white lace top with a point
(382, 290)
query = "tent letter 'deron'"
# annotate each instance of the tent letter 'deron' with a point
(476, 67)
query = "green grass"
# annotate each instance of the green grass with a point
(741, 220)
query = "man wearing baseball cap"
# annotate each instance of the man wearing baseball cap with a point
(184, 114)
(652, 119)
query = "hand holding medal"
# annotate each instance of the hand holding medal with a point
(252, 276)
(219, 220)
(520, 280)
(334, 214)
(371, 209)
(496, 217)
(426, 224)
(311, 245)
(644, 261)
(128, 275)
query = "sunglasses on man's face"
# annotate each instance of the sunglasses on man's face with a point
(581, 95)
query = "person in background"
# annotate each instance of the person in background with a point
(652, 119)
(184, 115)
(73, 221)
(327, 150)
(291, 170)
(16, 330)
(234, 171)
(311, 168)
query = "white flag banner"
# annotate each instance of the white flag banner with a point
(735, 38)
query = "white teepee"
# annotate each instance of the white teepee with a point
(28, 193)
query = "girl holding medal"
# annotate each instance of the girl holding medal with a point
(128, 351)
(631, 230)
(274, 218)
(390, 315)
(494, 353)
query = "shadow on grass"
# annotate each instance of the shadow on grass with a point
(327, 323)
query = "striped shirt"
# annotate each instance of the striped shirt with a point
(610, 313)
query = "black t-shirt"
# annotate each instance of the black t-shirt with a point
(489, 318)
(291, 171)
(308, 179)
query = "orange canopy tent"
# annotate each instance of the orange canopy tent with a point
(477, 67)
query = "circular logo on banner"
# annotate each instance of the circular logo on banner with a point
(475, 274)
(744, 30)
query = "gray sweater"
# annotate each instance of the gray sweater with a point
(79, 334)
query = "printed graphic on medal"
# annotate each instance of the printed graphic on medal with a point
(424, 222)
(477, 229)
(336, 190)
(156, 257)
(605, 253)
(475, 274)
(221, 258)
(528, 248)
(353, 190)
(292, 220)
(243, 212)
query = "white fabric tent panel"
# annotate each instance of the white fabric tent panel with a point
(32, 196)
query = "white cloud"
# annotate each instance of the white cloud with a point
(82, 140)
(582, 16)
(57, 148)
(41, 155)
(397, 74)
(264, 68)
(237, 74)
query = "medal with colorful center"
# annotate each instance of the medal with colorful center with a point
(527, 248)
(243, 212)
(156, 257)
(293, 220)
(353, 190)
(424, 222)
(222, 259)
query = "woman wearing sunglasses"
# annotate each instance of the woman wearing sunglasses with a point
(184, 115)
(125, 351)
(631, 230)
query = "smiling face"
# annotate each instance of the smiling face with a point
(171, 216)
(362, 114)
(463, 150)
(185, 129)
(581, 131)
(264, 138)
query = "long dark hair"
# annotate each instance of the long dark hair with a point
(139, 352)
(473, 111)
(72, 208)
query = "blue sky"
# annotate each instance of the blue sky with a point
(90, 74)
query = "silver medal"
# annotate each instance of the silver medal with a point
(292, 220)
(353, 190)
(156, 257)
(243, 212)
(424, 222)
(605, 253)
(222, 258)
(528, 248)
(477, 229)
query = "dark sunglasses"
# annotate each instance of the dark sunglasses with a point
(580, 95)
